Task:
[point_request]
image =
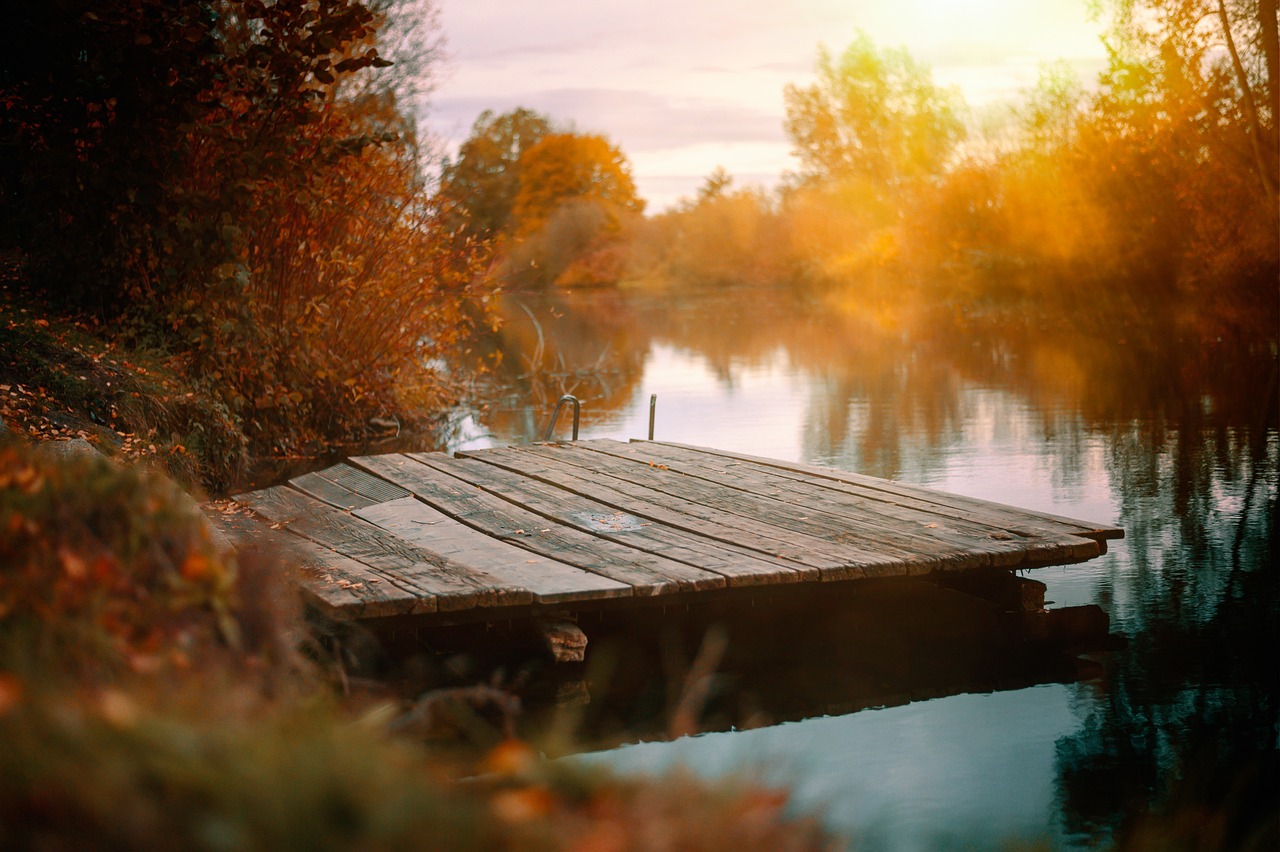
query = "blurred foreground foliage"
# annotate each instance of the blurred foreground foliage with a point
(159, 692)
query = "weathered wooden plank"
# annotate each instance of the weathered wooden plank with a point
(549, 580)
(373, 488)
(1011, 538)
(809, 556)
(349, 588)
(441, 583)
(976, 507)
(1034, 540)
(960, 543)
(329, 492)
(888, 545)
(739, 566)
(337, 586)
(645, 573)
(878, 547)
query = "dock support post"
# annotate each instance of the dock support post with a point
(563, 639)
(653, 405)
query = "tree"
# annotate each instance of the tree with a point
(480, 185)
(237, 180)
(574, 197)
(113, 106)
(1212, 65)
(566, 167)
(872, 114)
(1190, 98)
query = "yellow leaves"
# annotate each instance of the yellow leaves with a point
(21, 524)
(509, 758)
(514, 760)
(568, 166)
(522, 804)
(117, 709)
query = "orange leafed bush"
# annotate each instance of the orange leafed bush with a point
(106, 566)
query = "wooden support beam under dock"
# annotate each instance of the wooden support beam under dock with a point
(535, 530)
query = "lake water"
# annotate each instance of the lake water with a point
(1175, 441)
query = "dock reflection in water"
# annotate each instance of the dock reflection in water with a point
(1172, 438)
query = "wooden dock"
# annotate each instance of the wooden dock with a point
(534, 530)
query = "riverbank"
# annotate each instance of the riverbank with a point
(157, 691)
(64, 376)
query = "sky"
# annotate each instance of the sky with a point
(685, 86)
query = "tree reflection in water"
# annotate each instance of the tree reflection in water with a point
(1185, 431)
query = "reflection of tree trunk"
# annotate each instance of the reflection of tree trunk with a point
(1250, 107)
(1258, 441)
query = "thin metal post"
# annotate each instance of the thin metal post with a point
(555, 414)
(653, 405)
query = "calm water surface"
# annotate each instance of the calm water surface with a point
(1174, 441)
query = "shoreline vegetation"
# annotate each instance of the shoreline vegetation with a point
(226, 245)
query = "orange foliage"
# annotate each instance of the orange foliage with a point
(565, 167)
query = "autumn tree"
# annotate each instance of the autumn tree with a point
(1211, 63)
(872, 114)
(1185, 132)
(481, 182)
(574, 197)
(236, 180)
(565, 167)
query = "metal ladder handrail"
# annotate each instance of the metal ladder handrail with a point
(555, 414)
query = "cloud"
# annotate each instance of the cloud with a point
(636, 120)
(700, 82)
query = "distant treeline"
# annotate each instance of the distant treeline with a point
(1148, 197)
(242, 184)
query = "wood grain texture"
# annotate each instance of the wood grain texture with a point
(334, 584)
(856, 516)
(330, 492)
(738, 565)
(517, 528)
(806, 556)
(918, 495)
(645, 573)
(441, 583)
(549, 580)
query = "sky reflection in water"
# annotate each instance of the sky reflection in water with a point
(1164, 443)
